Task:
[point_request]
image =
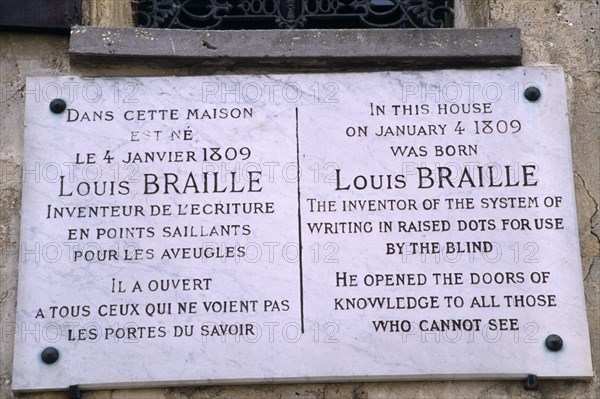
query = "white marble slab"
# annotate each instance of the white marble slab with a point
(373, 265)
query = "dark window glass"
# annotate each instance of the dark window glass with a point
(40, 14)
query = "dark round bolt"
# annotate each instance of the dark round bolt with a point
(531, 382)
(554, 342)
(58, 105)
(50, 355)
(532, 93)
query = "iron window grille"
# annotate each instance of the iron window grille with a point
(294, 14)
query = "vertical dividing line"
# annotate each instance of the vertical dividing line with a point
(299, 228)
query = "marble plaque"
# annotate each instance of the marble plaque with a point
(306, 227)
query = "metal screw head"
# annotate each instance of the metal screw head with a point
(554, 342)
(50, 355)
(58, 105)
(532, 93)
(531, 382)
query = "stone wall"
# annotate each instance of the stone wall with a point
(563, 32)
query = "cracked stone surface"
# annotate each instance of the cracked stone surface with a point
(563, 32)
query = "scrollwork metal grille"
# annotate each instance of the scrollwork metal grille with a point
(294, 14)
